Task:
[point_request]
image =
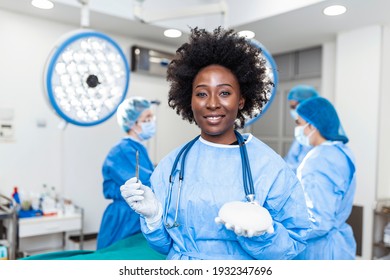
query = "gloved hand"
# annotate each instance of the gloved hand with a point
(245, 219)
(142, 200)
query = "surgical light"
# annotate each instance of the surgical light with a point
(273, 75)
(86, 78)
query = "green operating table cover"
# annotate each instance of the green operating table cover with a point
(132, 248)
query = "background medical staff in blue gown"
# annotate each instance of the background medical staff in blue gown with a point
(137, 120)
(328, 177)
(297, 151)
(216, 80)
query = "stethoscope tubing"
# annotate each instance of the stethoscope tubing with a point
(246, 169)
(184, 151)
(246, 176)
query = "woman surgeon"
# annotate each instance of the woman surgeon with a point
(222, 195)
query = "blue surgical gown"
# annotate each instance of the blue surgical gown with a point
(213, 177)
(119, 220)
(296, 154)
(328, 177)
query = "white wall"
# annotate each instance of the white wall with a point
(70, 159)
(357, 95)
(34, 157)
(328, 70)
(383, 189)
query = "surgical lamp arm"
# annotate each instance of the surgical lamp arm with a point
(191, 11)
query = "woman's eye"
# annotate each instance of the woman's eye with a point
(225, 93)
(201, 94)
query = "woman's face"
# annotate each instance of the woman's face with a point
(215, 102)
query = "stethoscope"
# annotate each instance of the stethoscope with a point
(246, 175)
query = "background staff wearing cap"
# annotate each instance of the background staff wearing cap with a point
(328, 177)
(297, 151)
(136, 119)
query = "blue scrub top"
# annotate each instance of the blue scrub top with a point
(328, 178)
(119, 220)
(213, 177)
(296, 154)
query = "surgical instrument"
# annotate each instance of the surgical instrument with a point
(137, 165)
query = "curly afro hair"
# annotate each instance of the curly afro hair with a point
(225, 48)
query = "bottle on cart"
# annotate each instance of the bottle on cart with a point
(48, 203)
(53, 193)
(16, 198)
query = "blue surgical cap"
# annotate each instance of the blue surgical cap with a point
(129, 111)
(319, 112)
(302, 92)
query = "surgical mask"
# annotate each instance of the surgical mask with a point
(148, 129)
(294, 114)
(300, 135)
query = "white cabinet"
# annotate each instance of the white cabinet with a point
(48, 226)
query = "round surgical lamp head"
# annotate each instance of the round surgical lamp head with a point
(86, 77)
(272, 73)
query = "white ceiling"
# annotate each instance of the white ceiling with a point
(280, 25)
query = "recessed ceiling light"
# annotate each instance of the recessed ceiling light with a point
(334, 10)
(42, 4)
(247, 33)
(172, 33)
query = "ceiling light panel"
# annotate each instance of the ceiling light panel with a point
(42, 4)
(334, 10)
